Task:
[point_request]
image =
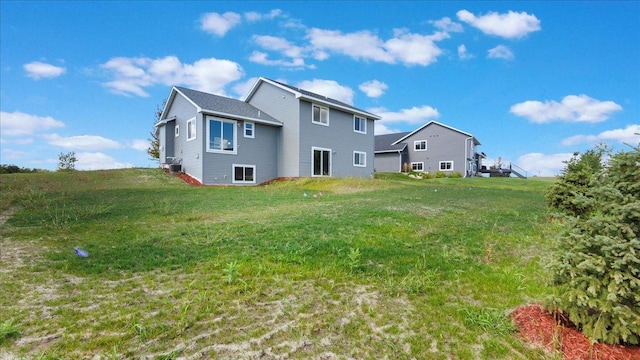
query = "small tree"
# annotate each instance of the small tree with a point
(574, 181)
(67, 162)
(154, 143)
(596, 263)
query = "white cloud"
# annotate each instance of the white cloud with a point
(415, 115)
(415, 49)
(373, 88)
(18, 123)
(282, 45)
(573, 108)
(98, 161)
(255, 16)
(82, 142)
(242, 89)
(38, 70)
(219, 24)
(538, 164)
(328, 88)
(10, 154)
(139, 144)
(358, 45)
(627, 135)
(445, 24)
(500, 52)
(262, 58)
(510, 25)
(404, 47)
(463, 54)
(132, 75)
(381, 129)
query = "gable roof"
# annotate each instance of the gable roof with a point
(312, 97)
(387, 143)
(221, 106)
(475, 141)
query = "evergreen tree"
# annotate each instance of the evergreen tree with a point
(596, 262)
(154, 143)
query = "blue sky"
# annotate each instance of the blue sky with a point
(533, 81)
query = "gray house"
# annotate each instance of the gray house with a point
(277, 131)
(431, 148)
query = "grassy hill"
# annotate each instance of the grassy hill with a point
(390, 267)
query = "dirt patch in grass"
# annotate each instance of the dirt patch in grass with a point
(557, 334)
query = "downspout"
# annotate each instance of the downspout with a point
(466, 155)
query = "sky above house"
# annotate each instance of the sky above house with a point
(534, 82)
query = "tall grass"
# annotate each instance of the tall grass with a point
(369, 268)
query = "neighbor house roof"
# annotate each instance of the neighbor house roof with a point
(386, 143)
(401, 139)
(312, 97)
(222, 106)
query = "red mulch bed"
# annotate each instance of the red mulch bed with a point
(186, 178)
(541, 328)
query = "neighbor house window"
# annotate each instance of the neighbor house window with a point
(446, 165)
(417, 166)
(221, 135)
(244, 174)
(191, 129)
(320, 161)
(359, 125)
(420, 145)
(177, 130)
(320, 115)
(359, 158)
(249, 129)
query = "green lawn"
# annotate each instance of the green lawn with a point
(392, 267)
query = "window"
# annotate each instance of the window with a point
(221, 135)
(177, 130)
(420, 145)
(446, 165)
(320, 162)
(359, 158)
(249, 130)
(417, 166)
(359, 125)
(191, 129)
(244, 174)
(320, 115)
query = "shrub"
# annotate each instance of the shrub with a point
(455, 175)
(441, 174)
(427, 175)
(596, 262)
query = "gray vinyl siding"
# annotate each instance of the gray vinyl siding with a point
(340, 138)
(260, 151)
(388, 162)
(189, 152)
(283, 106)
(443, 144)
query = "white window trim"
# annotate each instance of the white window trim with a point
(363, 155)
(417, 142)
(313, 149)
(235, 135)
(177, 130)
(421, 165)
(233, 174)
(445, 162)
(195, 131)
(253, 130)
(319, 122)
(355, 120)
